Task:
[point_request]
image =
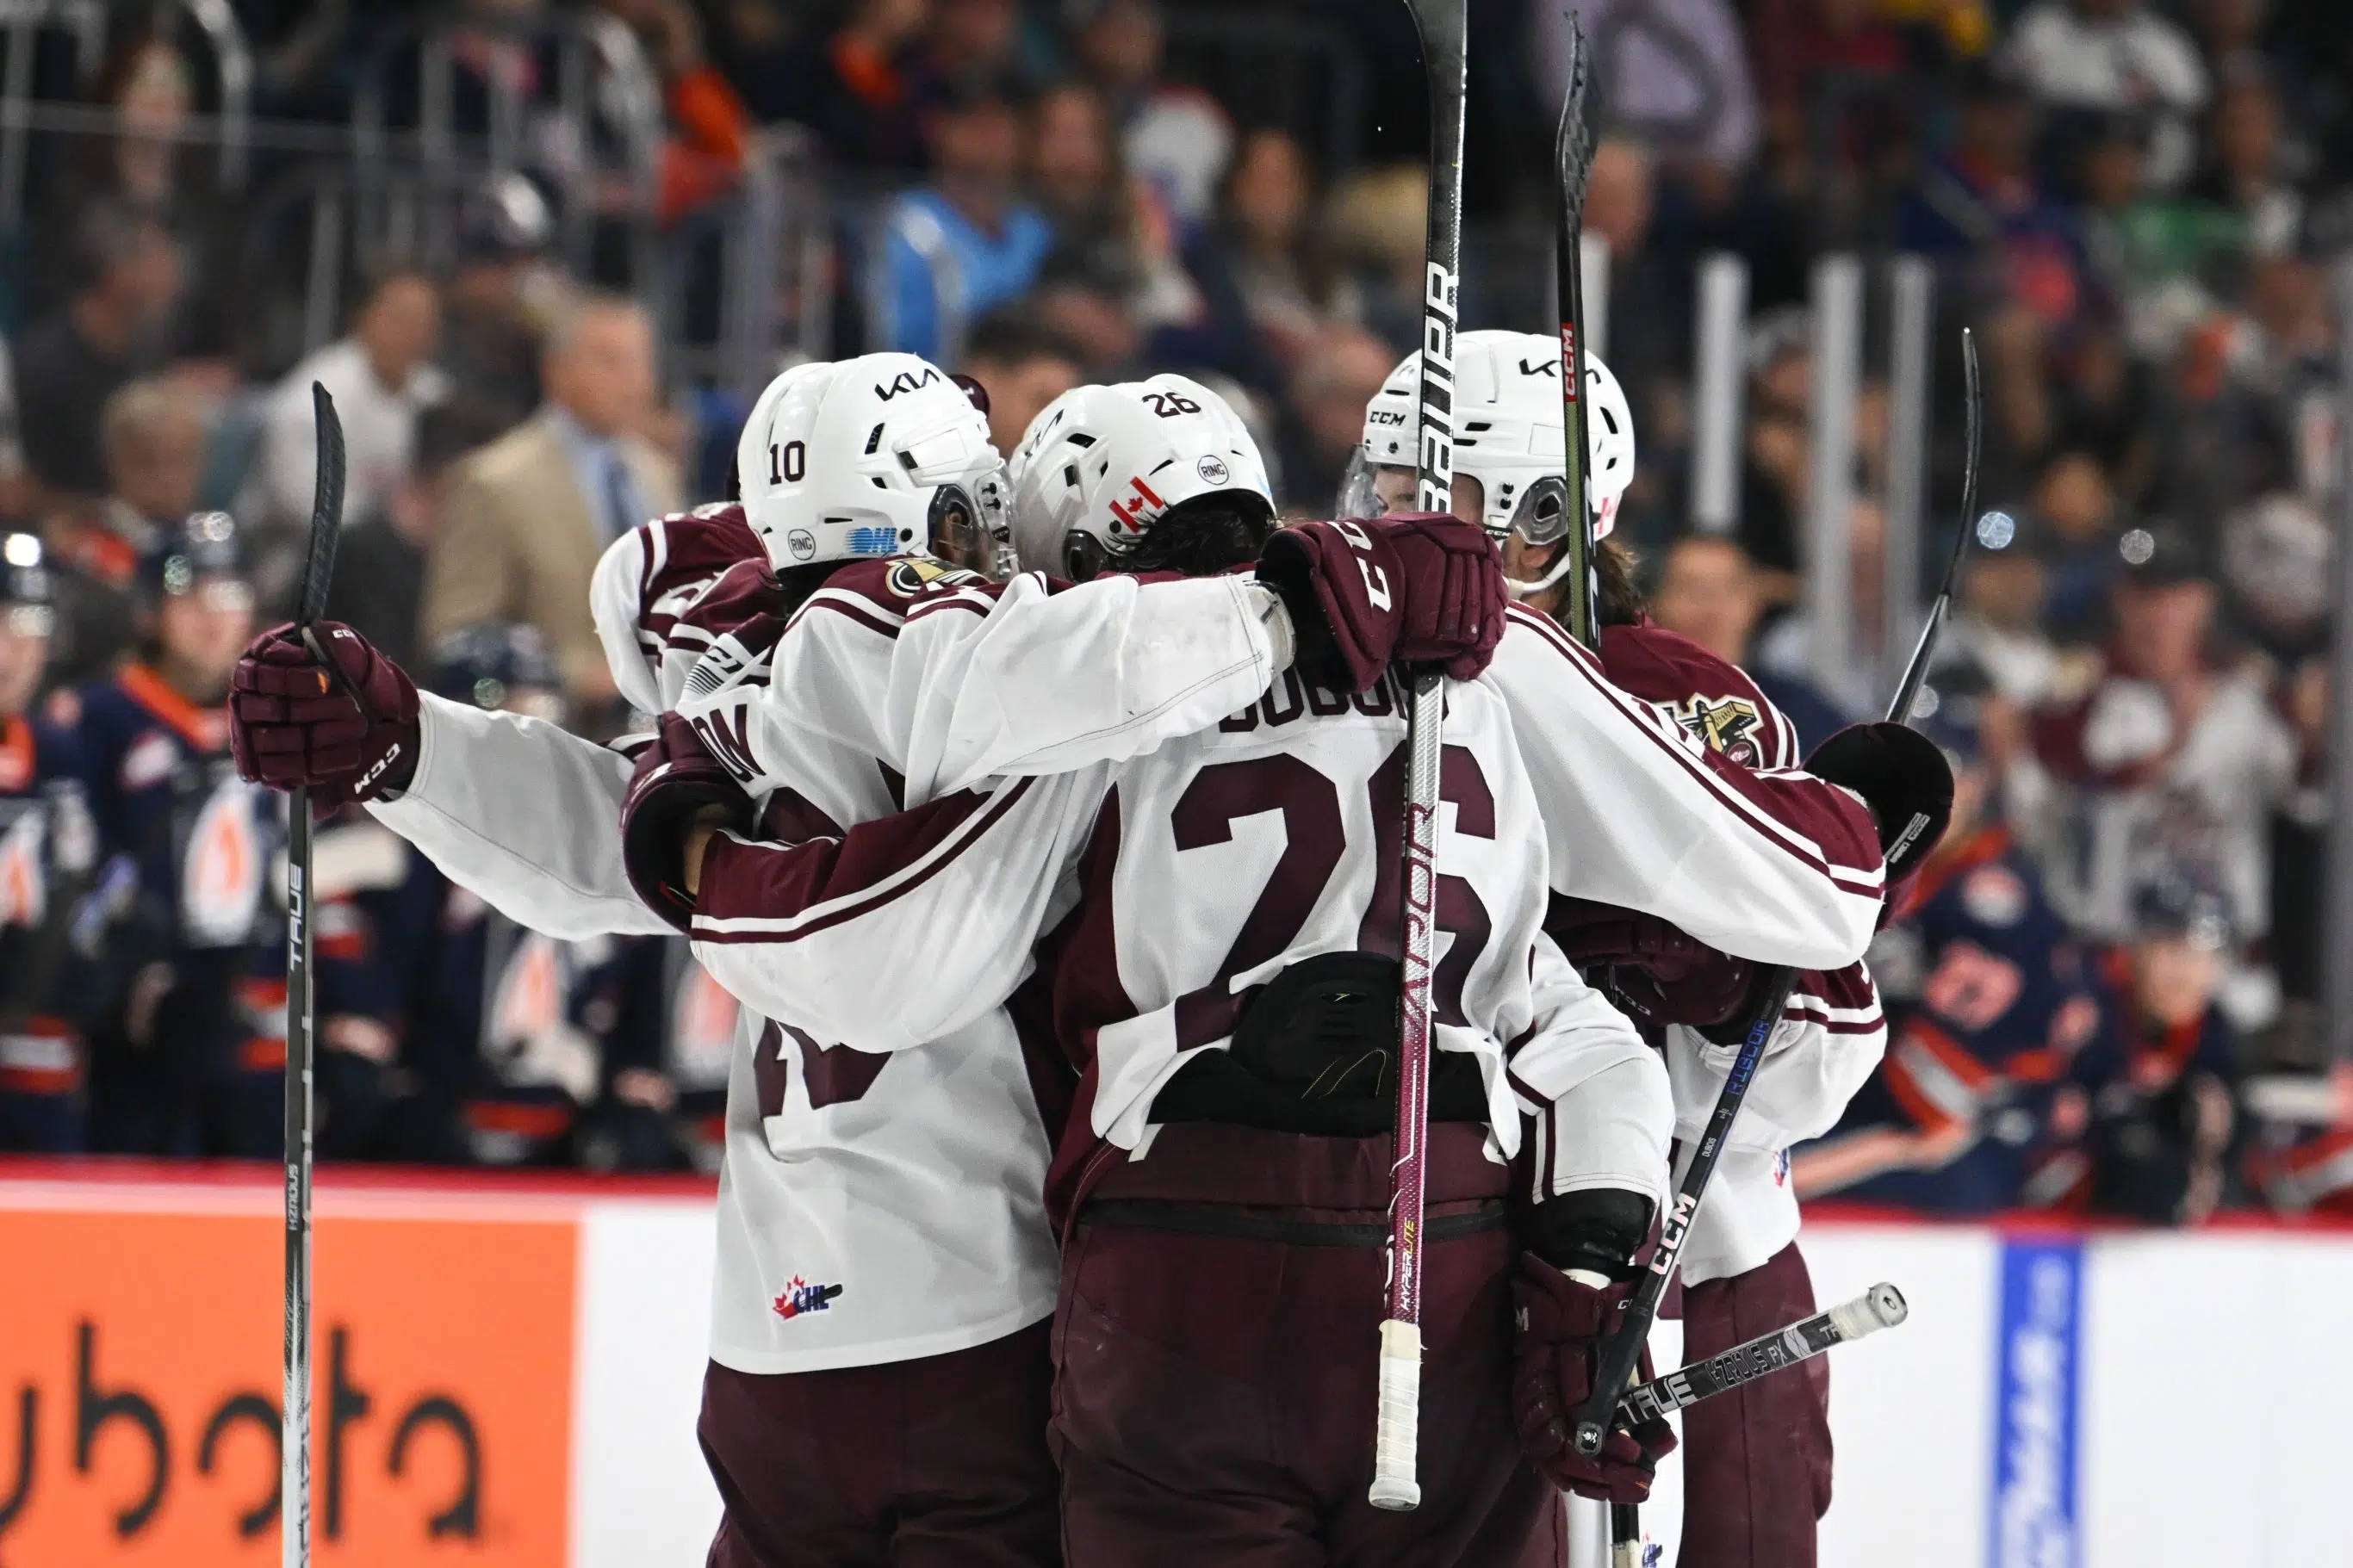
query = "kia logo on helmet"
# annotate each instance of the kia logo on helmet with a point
(908, 381)
(801, 543)
(1212, 469)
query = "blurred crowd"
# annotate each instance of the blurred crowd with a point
(2134, 204)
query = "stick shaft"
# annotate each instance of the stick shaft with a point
(1881, 1307)
(1573, 158)
(294, 1435)
(1623, 1350)
(294, 1453)
(1443, 25)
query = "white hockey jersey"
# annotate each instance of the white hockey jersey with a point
(1831, 1035)
(1180, 882)
(871, 1209)
(783, 924)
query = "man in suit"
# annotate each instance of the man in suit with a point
(529, 514)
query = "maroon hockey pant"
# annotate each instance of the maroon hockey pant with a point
(1215, 1352)
(1757, 1461)
(939, 1462)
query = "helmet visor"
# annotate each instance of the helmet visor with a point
(1360, 487)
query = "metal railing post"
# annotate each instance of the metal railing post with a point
(1836, 376)
(1912, 324)
(2337, 926)
(1719, 387)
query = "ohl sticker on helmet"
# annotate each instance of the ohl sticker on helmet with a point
(1212, 469)
(801, 543)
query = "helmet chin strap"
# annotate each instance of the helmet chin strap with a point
(1520, 590)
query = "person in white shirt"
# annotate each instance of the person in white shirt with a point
(382, 377)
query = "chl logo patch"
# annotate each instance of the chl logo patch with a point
(801, 1297)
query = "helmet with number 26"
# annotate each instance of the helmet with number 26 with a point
(881, 455)
(1507, 435)
(1099, 465)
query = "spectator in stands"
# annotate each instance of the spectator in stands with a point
(1323, 419)
(855, 90)
(1378, 219)
(709, 127)
(2169, 755)
(1708, 591)
(981, 37)
(380, 565)
(2244, 174)
(1022, 365)
(2085, 58)
(1998, 621)
(2072, 517)
(1694, 99)
(1984, 207)
(2162, 1077)
(528, 515)
(110, 331)
(1176, 139)
(382, 377)
(1268, 245)
(964, 243)
(498, 301)
(152, 434)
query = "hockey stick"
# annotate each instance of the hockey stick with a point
(1573, 155)
(1623, 1349)
(1881, 1307)
(294, 1436)
(1442, 23)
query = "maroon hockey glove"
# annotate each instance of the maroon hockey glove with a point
(1903, 778)
(1660, 971)
(1410, 588)
(1561, 1323)
(347, 734)
(676, 778)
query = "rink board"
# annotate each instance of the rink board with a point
(520, 1362)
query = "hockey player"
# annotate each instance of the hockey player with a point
(783, 922)
(884, 1251)
(1210, 970)
(189, 1058)
(1994, 1001)
(1756, 1463)
(46, 848)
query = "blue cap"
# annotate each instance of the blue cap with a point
(206, 545)
(481, 665)
(24, 571)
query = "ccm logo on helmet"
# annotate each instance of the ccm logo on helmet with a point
(1386, 417)
(907, 381)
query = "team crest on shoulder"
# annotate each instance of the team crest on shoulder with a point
(917, 574)
(1728, 725)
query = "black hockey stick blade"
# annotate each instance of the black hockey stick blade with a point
(1924, 652)
(1573, 146)
(326, 511)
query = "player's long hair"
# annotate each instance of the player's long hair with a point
(1619, 599)
(1205, 535)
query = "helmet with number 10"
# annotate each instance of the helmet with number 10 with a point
(881, 454)
(1102, 464)
(1507, 435)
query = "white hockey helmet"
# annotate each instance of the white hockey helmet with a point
(1101, 464)
(1507, 434)
(846, 460)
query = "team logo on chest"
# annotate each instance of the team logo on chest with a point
(1725, 725)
